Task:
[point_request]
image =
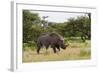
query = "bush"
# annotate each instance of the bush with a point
(29, 46)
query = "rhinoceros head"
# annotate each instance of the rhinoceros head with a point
(62, 43)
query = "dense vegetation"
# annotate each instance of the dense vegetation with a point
(79, 27)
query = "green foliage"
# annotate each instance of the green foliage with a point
(28, 19)
(29, 46)
(59, 28)
(81, 26)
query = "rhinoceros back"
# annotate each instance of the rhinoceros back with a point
(48, 39)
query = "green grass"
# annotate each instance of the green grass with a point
(75, 51)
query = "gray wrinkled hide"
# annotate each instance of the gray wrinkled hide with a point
(51, 39)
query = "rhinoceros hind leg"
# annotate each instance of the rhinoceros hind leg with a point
(38, 50)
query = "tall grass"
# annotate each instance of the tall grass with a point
(77, 50)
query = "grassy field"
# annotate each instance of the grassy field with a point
(75, 51)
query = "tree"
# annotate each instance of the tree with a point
(28, 19)
(81, 26)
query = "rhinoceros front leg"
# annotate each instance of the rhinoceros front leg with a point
(57, 46)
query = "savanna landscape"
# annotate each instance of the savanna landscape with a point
(75, 30)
